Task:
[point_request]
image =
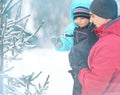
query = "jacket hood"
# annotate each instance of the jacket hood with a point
(112, 27)
(78, 3)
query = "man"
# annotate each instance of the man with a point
(102, 77)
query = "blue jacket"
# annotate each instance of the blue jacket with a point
(68, 41)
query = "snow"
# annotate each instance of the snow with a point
(50, 62)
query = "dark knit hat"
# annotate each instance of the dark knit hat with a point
(81, 12)
(104, 8)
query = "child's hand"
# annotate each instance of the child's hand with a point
(56, 41)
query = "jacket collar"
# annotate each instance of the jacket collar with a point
(100, 30)
(111, 27)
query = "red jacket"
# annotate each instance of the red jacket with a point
(103, 75)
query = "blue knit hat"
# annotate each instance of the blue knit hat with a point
(78, 3)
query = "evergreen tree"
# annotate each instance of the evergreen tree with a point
(13, 40)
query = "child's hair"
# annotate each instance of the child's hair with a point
(81, 12)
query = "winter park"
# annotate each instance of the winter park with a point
(29, 62)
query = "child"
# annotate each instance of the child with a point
(78, 38)
(84, 38)
(66, 41)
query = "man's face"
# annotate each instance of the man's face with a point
(97, 21)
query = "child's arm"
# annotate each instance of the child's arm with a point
(64, 42)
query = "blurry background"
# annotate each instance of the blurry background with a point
(54, 13)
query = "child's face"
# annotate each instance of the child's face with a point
(81, 21)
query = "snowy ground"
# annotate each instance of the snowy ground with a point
(50, 62)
